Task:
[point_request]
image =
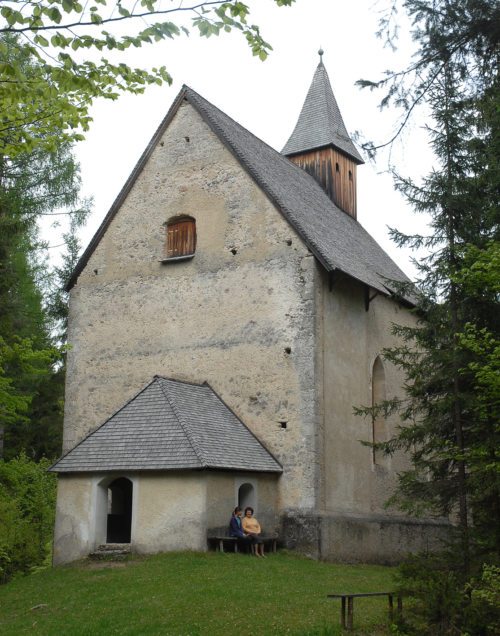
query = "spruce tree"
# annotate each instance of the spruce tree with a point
(450, 425)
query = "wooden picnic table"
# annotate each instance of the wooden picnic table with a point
(348, 599)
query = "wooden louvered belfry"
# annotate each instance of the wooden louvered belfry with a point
(320, 144)
(180, 238)
(335, 172)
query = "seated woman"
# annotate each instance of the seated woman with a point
(235, 529)
(252, 528)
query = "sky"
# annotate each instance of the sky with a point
(266, 97)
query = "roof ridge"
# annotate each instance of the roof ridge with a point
(183, 425)
(196, 94)
(164, 377)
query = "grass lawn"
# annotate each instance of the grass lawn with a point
(194, 593)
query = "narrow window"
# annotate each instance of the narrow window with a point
(378, 422)
(337, 167)
(181, 237)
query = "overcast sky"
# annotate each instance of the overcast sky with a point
(266, 97)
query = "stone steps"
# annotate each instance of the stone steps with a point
(111, 552)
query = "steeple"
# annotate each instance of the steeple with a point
(321, 145)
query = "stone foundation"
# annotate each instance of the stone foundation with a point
(355, 539)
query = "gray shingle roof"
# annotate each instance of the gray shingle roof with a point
(320, 122)
(337, 240)
(170, 425)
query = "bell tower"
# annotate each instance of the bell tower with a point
(320, 143)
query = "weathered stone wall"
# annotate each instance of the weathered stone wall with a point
(351, 522)
(243, 321)
(377, 538)
(352, 339)
(361, 538)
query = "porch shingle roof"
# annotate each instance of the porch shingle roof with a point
(170, 425)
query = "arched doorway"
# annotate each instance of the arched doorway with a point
(246, 495)
(119, 519)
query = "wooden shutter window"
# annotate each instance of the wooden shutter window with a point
(181, 238)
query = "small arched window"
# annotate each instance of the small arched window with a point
(246, 496)
(180, 240)
(379, 423)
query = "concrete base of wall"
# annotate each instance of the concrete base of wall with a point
(357, 539)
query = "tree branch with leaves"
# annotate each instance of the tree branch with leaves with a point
(65, 36)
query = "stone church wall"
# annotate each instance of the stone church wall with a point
(352, 522)
(356, 481)
(240, 314)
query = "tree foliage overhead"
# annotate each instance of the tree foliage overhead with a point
(48, 103)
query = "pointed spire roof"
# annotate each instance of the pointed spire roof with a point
(320, 123)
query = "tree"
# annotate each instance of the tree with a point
(41, 184)
(49, 102)
(27, 508)
(466, 32)
(450, 410)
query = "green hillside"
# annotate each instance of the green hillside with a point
(192, 593)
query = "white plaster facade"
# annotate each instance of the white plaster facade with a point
(171, 512)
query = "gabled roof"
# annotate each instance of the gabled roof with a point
(337, 240)
(320, 123)
(170, 425)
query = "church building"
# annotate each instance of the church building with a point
(224, 320)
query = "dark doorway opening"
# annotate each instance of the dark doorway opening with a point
(119, 511)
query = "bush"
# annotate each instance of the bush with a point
(27, 506)
(443, 603)
(483, 610)
(436, 594)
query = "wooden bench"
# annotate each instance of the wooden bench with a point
(218, 542)
(349, 600)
